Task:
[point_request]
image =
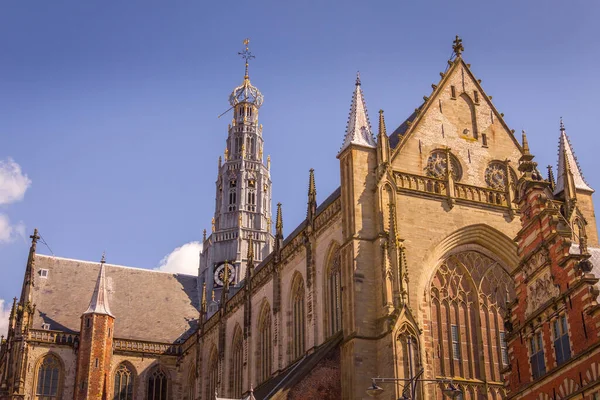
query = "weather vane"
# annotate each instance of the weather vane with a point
(246, 55)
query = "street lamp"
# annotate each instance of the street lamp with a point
(375, 391)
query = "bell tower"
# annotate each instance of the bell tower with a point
(243, 192)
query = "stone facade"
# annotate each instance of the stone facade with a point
(410, 267)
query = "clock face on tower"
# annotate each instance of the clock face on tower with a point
(219, 275)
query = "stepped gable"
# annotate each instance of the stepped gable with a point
(147, 305)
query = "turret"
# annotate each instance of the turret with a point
(95, 343)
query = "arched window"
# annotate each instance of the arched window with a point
(333, 294)
(265, 345)
(158, 385)
(468, 296)
(213, 375)
(298, 333)
(123, 382)
(49, 379)
(191, 389)
(237, 364)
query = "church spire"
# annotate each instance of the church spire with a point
(99, 301)
(358, 131)
(568, 161)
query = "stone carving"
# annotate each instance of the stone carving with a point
(540, 291)
(535, 262)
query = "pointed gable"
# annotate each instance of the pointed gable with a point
(359, 130)
(459, 115)
(566, 155)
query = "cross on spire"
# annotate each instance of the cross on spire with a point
(457, 46)
(246, 55)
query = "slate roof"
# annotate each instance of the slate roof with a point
(148, 305)
(396, 136)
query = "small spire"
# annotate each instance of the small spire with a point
(551, 177)
(99, 301)
(203, 304)
(567, 160)
(29, 279)
(247, 56)
(525, 143)
(279, 222)
(358, 130)
(526, 164)
(382, 130)
(457, 46)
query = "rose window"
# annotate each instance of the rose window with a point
(437, 165)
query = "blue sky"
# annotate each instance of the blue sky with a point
(110, 108)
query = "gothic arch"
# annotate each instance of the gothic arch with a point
(407, 336)
(332, 307)
(45, 368)
(264, 343)
(125, 381)
(236, 363)
(212, 376)
(158, 383)
(297, 308)
(466, 300)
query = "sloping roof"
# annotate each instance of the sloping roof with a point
(147, 305)
(359, 130)
(288, 378)
(566, 154)
(401, 130)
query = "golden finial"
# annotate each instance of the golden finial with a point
(246, 55)
(243, 149)
(226, 154)
(457, 46)
(203, 309)
(260, 152)
(268, 163)
(213, 224)
(212, 296)
(240, 219)
(260, 129)
(269, 222)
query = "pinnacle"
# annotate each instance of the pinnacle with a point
(382, 130)
(99, 301)
(279, 221)
(358, 130)
(568, 160)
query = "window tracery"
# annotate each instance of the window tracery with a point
(265, 346)
(496, 177)
(49, 379)
(437, 165)
(237, 364)
(213, 375)
(158, 385)
(468, 295)
(124, 378)
(333, 294)
(298, 333)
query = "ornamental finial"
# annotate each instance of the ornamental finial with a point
(562, 125)
(457, 46)
(357, 78)
(246, 55)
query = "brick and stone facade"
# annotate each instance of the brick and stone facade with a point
(410, 266)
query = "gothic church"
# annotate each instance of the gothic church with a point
(412, 267)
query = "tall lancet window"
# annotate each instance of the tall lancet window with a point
(237, 364)
(49, 379)
(158, 385)
(298, 331)
(333, 299)
(191, 389)
(213, 375)
(264, 349)
(123, 382)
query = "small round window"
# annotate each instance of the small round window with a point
(437, 165)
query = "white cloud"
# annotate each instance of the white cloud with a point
(184, 259)
(13, 183)
(9, 232)
(4, 315)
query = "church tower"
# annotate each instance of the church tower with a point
(243, 193)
